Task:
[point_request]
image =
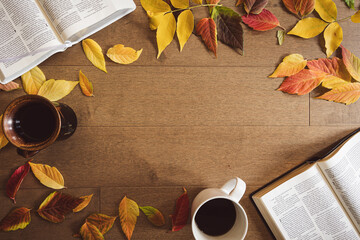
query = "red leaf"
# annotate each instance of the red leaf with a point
(16, 179)
(9, 86)
(302, 7)
(206, 28)
(261, 22)
(16, 219)
(303, 82)
(181, 215)
(254, 6)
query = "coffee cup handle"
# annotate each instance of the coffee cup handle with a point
(235, 188)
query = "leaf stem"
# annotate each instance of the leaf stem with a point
(343, 19)
(282, 27)
(188, 8)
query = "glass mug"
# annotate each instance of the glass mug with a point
(32, 123)
(217, 215)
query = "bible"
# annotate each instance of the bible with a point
(318, 199)
(33, 30)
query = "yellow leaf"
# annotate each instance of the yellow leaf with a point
(199, 2)
(333, 36)
(180, 3)
(308, 27)
(32, 80)
(94, 53)
(84, 204)
(165, 32)
(347, 94)
(48, 176)
(3, 139)
(326, 9)
(185, 26)
(155, 19)
(356, 17)
(55, 90)
(290, 65)
(331, 82)
(128, 212)
(85, 85)
(123, 55)
(155, 6)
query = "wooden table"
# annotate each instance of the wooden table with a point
(186, 119)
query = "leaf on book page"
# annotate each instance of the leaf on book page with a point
(90, 232)
(185, 27)
(123, 55)
(290, 65)
(346, 94)
(94, 53)
(55, 90)
(3, 139)
(103, 222)
(9, 86)
(16, 219)
(128, 212)
(308, 27)
(84, 204)
(356, 17)
(14, 182)
(85, 85)
(48, 176)
(181, 214)
(153, 215)
(352, 63)
(32, 80)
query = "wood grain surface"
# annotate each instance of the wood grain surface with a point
(187, 119)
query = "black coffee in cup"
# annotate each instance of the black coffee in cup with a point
(216, 217)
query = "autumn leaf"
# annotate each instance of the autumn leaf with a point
(32, 80)
(346, 94)
(333, 36)
(300, 7)
(352, 63)
(335, 70)
(9, 86)
(199, 2)
(239, 2)
(206, 28)
(229, 29)
(165, 32)
(290, 65)
(185, 26)
(303, 82)
(308, 27)
(94, 53)
(3, 139)
(180, 3)
(103, 222)
(85, 85)
(48, 176)
(55, 90)
(356, 17)
(16, 179)
(153, 215)
(123, 55)
(212, 2)
(17, 219)
(90, 232)
(155, 10)
(84, 204)
(181, 214)
(261, 22)
(254, 6)
(326, 9)
(128, 212)
(350, 4)
(57, 205)
(280, 34)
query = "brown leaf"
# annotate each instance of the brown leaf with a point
(254, 6)
(103, 222)
(16, 219)
(90, 232)
(181, 214)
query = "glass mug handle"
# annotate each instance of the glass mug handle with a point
(235, 188)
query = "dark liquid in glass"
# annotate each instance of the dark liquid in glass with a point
(216, 217)
(34, 122)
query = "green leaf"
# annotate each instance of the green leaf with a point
(280, 36)
(350, 3)
(153, 215)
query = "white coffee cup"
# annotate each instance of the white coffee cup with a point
(233, 190)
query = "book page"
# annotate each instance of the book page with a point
(342, 170)
(24, 31)
(73, 18)
(304, 207)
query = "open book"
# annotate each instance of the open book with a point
(33, 30)
(319, 200)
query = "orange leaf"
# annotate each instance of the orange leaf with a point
(290, 65)
(181, 214)
(103, 222)
(128, 212)
(239, 2)
(303, 82)
(352, 63)
(347, 94)
(261, 22)
(301, 7)
(16, 179)
(85, 85)
(153, 215)
(84, 204)
(9, 86)
(206, 28)
(57, 205)
(16, 219)
(90, 232)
